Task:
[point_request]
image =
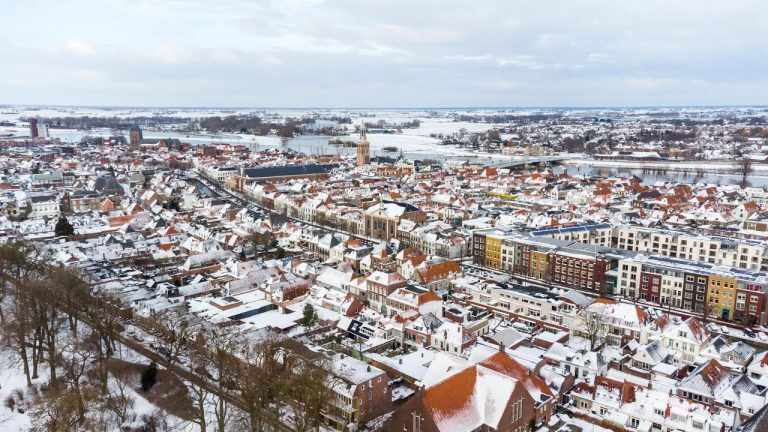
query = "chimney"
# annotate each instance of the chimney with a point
(368, 368)
(400, 361)
(501, 346)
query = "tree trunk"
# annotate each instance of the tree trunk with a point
(80, 403)
(200, 393)
(37, 343)
(221, 412)
(25, 360)
(72, 324)
(52, 355)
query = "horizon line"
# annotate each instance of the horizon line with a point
(468, 107)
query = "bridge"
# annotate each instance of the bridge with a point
(516, 161)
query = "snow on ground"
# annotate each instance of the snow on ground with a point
(446, 127)
(13, 382)
(11, 379)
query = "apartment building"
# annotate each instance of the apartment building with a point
(746, 254)
(534, 307)
(591, 233)
(547, 259)
(729, 293)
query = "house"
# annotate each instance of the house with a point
(382, 219)
(44, 205)
(380, 285)
(648, 356)
(361, 392)
(686, 340)
(706, 382)
(413, 298)
(493, 394)
(437, 276)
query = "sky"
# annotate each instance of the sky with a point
(393, 53)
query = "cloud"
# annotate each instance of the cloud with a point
(80, 47)
(404, 53)
(521, 61)
(271, 60)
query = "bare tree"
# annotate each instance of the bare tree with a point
(307, 392)
(174, 332)
(117, 399)
(213, 359)
(56, 410)
(745, 169)
(200, 396)
(594, 324)
(77, 360)
(258, 383)
(21, 264)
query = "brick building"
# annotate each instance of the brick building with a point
(494, 394)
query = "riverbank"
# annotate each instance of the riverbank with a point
(681, 166)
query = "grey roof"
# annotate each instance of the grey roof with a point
(408, 207)
(106, 181)
(576, 228)
(43, 198)
(756, 423)
(739, 349)
(287, 170)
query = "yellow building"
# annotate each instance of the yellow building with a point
(493, 252)
(721, 296)
(539, 264)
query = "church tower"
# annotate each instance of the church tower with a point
(135, 136)
(363, 149)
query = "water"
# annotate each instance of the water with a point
(651, 176)
(318, 145)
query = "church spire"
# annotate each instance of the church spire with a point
(363, 148)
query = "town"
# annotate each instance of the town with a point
(545, 270)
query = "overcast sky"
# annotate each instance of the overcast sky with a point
(388, 53)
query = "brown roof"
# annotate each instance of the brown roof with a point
(451, 395)
(439, 271)
(503, 363)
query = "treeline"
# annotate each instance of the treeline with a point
(251, 124)
(381, 124)
(508, 118)
(650, 135)
(57, 326)
(40, 311)
(87, 122)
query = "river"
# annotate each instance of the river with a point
(651, 176)
(421, 147)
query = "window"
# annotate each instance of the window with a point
(418, 422)
(517, 410)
